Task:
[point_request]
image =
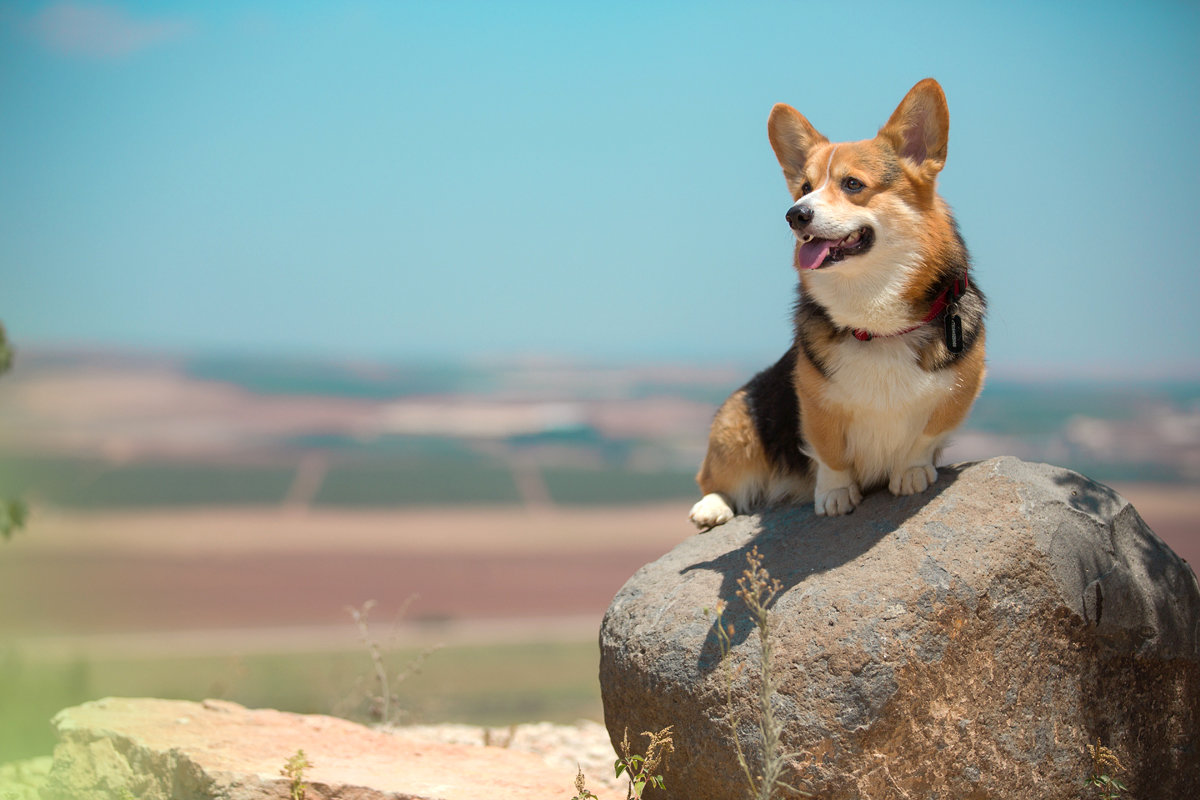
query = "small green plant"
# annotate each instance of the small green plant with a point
(757, 589)
(13, 513)
(6, 353)
(293, 770)
(581, 790)
(1104, 765)
(640, 770)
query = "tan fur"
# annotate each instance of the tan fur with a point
(822, 423)
(968, 382)
(735, 456)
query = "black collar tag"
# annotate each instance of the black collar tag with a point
(954, 339)
(954, 336)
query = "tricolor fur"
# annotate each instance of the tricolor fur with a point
(876, 248)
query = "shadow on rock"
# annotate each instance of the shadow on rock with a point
(828, 544)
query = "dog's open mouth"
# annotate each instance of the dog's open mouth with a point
(816, 253)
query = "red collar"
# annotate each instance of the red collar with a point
(944, 300)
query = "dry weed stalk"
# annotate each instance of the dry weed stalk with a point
(581, 790)
(382, 703)
(757, 589)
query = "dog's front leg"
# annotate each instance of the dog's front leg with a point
(824, 429)
(918, 472)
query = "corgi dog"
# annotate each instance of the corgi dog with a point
(888, 354)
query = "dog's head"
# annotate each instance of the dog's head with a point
(855, 201)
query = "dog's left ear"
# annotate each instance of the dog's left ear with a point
(792, 138)
(920, 127)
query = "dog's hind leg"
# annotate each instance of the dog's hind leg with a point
(735, 472)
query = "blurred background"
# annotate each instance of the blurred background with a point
(430, 304)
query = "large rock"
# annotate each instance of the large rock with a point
(120, 748)
(968, 642)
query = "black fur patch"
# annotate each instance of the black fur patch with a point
(773, 405)
(815, 331)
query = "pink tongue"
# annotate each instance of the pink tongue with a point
(813, 253)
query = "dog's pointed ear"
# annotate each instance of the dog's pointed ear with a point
(793, 138)
(920, 127)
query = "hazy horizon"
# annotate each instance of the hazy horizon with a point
(473, 181)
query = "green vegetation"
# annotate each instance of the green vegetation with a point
(349, 483)
(293, 770)
(92, 484)
(417, 482)
(642, 770)
(13, 512)
(1105, 765)
(607, 486)
(494, 685)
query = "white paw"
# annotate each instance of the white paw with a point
(711, 511)
(837, 501)
(913, 480)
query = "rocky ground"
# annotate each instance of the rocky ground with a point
(566, 750)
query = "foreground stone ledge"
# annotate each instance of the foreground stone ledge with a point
(176, 750)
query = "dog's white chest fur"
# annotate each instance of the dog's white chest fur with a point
(890, 400)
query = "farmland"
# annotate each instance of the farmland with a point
(199, 526)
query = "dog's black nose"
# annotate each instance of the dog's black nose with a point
(799, 216)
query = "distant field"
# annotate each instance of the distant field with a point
(495, 684)
(347, 482)
(249, 604)
(86, 483)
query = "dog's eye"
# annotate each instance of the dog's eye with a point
(806, 188)
(853, 185)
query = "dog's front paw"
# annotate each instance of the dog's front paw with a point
(711, 511)
(913, 480)
(837, 501)
(836, 492)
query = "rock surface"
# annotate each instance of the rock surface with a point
(968, 642)
(177, 750)
(566, 748)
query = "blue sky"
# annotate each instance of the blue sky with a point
(474, 179)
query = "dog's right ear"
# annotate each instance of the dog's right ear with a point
(793, 138)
